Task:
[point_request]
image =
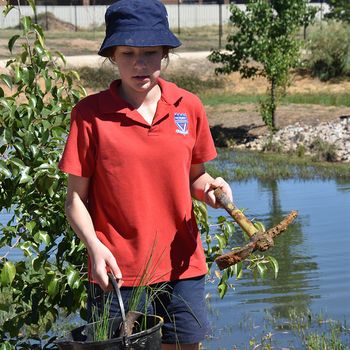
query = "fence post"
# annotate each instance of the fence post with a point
(178, 17)
(220, 22)
(46, 18)
(75, 18)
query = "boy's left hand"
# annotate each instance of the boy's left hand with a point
(209, 191)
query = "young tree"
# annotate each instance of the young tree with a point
(42, 278)
(265, 44)
(339, 10)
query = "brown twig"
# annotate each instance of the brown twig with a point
(258, 240)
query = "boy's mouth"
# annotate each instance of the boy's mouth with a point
(141, 77)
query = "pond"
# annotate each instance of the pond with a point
(314, 260)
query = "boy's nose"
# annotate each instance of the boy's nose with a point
(140, 61)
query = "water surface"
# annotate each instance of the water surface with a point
(313, 255)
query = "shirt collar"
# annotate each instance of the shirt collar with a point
(111, 102)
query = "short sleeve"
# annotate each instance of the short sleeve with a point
(204, 148)
(79, 153)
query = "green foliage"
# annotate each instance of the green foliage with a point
(265, 44)
(339, 10)
(97, 78)
(194, 82)
(239, 165)
(43, 278)
(328, 50)
(323, 151)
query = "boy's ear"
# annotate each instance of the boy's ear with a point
(166, 52)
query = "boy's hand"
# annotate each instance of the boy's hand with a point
(103, 261)
(209, 191)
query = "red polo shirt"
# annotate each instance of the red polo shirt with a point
(139, 196)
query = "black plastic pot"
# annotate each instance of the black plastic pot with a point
(82, 338)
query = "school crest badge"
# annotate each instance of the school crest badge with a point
(181, 122)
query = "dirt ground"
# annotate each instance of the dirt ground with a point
(243, 120)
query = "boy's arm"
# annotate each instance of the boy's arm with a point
(81, 222)
(202, 185)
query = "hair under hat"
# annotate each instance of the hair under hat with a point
(137, 23)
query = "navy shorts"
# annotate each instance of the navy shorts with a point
(180, 303)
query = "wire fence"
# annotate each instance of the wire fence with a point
(90, 17)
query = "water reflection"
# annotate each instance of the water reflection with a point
(313, 257)
(290, 289)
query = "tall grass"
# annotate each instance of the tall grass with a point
(100, 319)
(326, 99)
(244, 165)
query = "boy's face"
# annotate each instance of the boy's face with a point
(139, 67)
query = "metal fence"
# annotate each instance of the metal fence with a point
(180, 15)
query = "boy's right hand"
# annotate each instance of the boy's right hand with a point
(103, 261)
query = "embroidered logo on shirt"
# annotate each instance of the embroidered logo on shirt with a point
(181, 122)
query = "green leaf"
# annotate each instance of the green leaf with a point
(36, 263)
(24, 56)
(26, 23)
(20, 148)
(30, 226)
(26, 247)
(48, 83)
(5, 103)
(260, 226)
(61, 56)
(53, 287)
(18, 74)
(7, 346)
(42, 237)
(8, 273)
(32, 101)
(32, 5)
(4, 307)
(7, 9)
(238, 270)
(39, 49)
(73, 278)
(2, 93)
(7, 80)
(222, 289)
(12, 41)
(25, 177)
(261, 269)
(274, 264)
(40, 35)
(228, 228)
(28, 75)
(18, 162)
(4, 170)
(221, 240)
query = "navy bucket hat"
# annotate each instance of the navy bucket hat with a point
(137, 23)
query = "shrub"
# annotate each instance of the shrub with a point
(192, 82)
(328, 50)
(98, 78)
(45, 279)
(323, 150)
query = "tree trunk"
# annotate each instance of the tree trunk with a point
(273, 104)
